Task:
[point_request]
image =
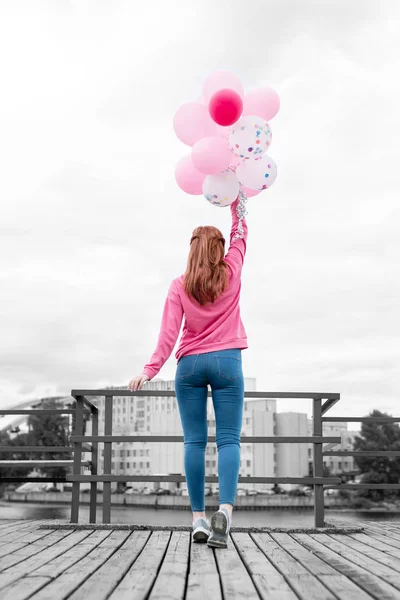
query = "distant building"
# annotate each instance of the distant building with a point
(337, 464)
(291, 458)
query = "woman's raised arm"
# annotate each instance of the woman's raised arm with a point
(238, 239)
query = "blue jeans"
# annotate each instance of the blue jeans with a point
(223, 371)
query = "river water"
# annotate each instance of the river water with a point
(161, 516)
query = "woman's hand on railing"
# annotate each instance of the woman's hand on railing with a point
(137, 383)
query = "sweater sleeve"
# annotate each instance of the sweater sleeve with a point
(170, 326)
(238, 241)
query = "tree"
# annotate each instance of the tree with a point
(43, 430)
(378, 469)
(49, 430)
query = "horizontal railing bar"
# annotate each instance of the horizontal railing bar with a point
(362, 453)
(362, 419)
(33, 479)
(40, 463)
(91, 406)
(209, 478)
(169, 393)
(40, 411)
(211, 438)
(36, 448)
(5, 449)
(367, 486)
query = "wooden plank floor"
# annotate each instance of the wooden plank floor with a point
(97, 564)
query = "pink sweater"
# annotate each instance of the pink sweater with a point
(214, 326)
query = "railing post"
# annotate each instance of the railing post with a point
(108, 411)
(93, 484)
(318, 465)
(77, 460)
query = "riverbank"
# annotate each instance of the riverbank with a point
(250, 503)
(259, 502)
(176, 502)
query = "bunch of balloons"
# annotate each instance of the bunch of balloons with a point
(230, 136)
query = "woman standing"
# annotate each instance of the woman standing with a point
(209, 353)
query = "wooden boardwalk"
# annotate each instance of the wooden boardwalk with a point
(107, 562)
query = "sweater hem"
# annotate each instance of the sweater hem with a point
(240, 343)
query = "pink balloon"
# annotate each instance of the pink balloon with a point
(188, 178)
(192, 122)
(211, 155)
(219, 80)
(225, 107)
(249, 193)
(263, 102)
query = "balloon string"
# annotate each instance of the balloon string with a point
(241, 212)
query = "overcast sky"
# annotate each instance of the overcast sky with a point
(93, 226)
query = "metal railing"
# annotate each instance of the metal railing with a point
(322, 402)
(78, 412)
(328, 452)
(81, 443)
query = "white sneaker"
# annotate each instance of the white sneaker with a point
(220, 526)
(201, 530)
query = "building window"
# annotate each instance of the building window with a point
(148, 465)
(247, 463)
(121, 465)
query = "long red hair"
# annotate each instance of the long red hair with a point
(206, 275)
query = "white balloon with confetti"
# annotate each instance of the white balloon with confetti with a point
(222, 189)
(250, 137)
(257, 174)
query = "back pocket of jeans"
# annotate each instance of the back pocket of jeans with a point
(229, 367)
(186, 366)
